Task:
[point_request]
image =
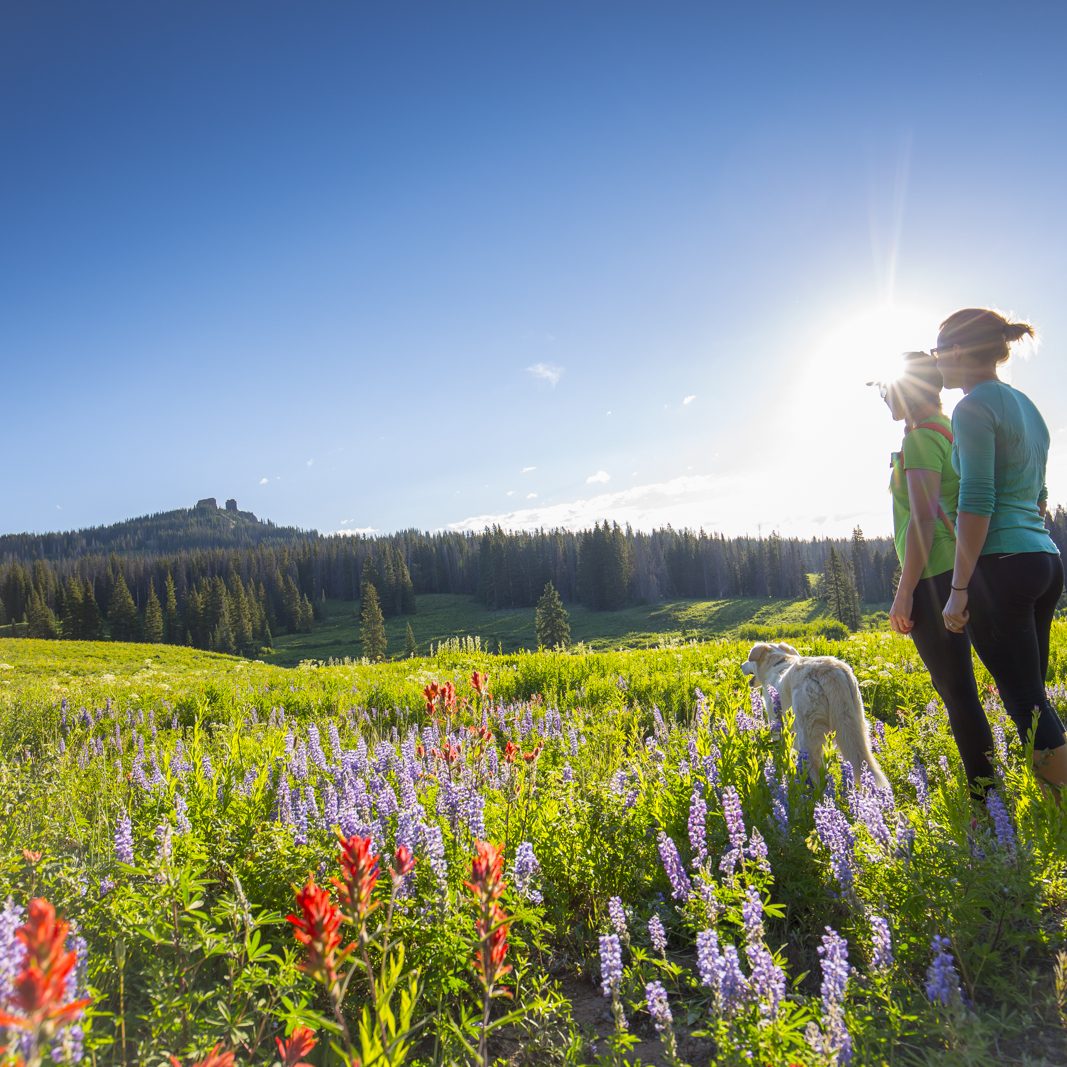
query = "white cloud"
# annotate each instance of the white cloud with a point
(357, 531)
(510, 492)
(546, 372)
(531, 496)
(263, 481)
(600, 478)
(723, 504)
(687, 400)
(59, 507)
(526, 470)
(310, 461)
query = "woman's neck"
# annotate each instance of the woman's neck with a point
(921, 416)
(976, 375)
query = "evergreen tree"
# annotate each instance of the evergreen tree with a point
(92, 625)
(410, 648)
(173, 628)
(153, 617)
(122, 616)
(41, 618)
(840, 591)
(551, 621)
(3, 613)
(371, 624)
(73, 609)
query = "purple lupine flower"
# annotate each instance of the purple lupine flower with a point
(329, 805)
(181, 814)
(617, 915)
(918, 777)
(698, 840)
(474, 812)
(156, 777)
(656, 934)
(525, 871)
(767, 979)
(658, 1006)
(779, 794)
(732, 988)
(707, 956)
(205, 767)
(164, 835)
(775, 699)
(284, 803)
(833, 953)
(433, 843)
(836, 835)
(249, 781)
(300, 816)
(12, 951)
(752, 915)
(610, 964)
(757, 850)
(568, 773)
(711, 765)
(1000, 741)
(942, 980)
(124, 840)
(335, 742)
(672, 864)
(138, 775)
(877, 735)
(106, 885)
(659, 727)
(735, 830)
(312, 808)
(942, 762)
(702, 705)
(1002, 824)
(882, 944)
(318, 757)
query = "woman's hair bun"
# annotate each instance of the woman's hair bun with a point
(1013, 331)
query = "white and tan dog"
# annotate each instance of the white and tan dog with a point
(824, 695)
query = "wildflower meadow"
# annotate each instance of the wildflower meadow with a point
(542, 858)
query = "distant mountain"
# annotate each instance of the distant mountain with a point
(205, 526)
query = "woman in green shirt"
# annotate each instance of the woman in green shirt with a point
(1008, 574)
(924, 487)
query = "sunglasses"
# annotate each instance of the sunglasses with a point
(937, 353)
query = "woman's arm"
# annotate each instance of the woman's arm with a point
(924, 492)
(975, 428)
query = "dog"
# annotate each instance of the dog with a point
(824, 695)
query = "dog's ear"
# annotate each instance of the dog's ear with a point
(758, 652)
(783, 647)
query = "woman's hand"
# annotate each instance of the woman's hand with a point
(900, 613)
(955, 612)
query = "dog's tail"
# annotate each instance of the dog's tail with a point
(852, 736)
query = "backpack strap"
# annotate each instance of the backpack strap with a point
(946, 433)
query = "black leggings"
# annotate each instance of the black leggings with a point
(1011, 602)
(947, 656)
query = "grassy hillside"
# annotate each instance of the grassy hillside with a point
(443, 616)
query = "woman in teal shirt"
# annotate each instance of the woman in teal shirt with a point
(1007, 574)
(924, 487)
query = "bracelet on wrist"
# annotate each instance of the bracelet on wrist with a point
(959, 588)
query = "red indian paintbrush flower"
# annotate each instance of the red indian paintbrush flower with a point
(213, 1059)
(40, 987)
(479, 682)
(316, 928)
(299, 1043)
(403, 862)
(359, 875)
(492, 922)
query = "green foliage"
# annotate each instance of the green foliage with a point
(371, 624)
(190, 947)
(550, 620)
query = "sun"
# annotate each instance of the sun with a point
(868, 345)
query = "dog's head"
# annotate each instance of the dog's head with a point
(762, 657)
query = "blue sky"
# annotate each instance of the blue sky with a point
(430, 265)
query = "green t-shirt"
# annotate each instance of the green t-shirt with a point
(926, 450)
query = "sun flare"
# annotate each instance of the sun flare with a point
(867, 346)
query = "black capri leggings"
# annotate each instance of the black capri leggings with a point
(947, 656)
(1011, 602)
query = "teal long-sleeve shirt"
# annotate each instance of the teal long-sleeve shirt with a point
(1000, 451)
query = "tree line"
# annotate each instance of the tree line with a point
(236, 599)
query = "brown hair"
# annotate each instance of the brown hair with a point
(920, 384)
(984, 335)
